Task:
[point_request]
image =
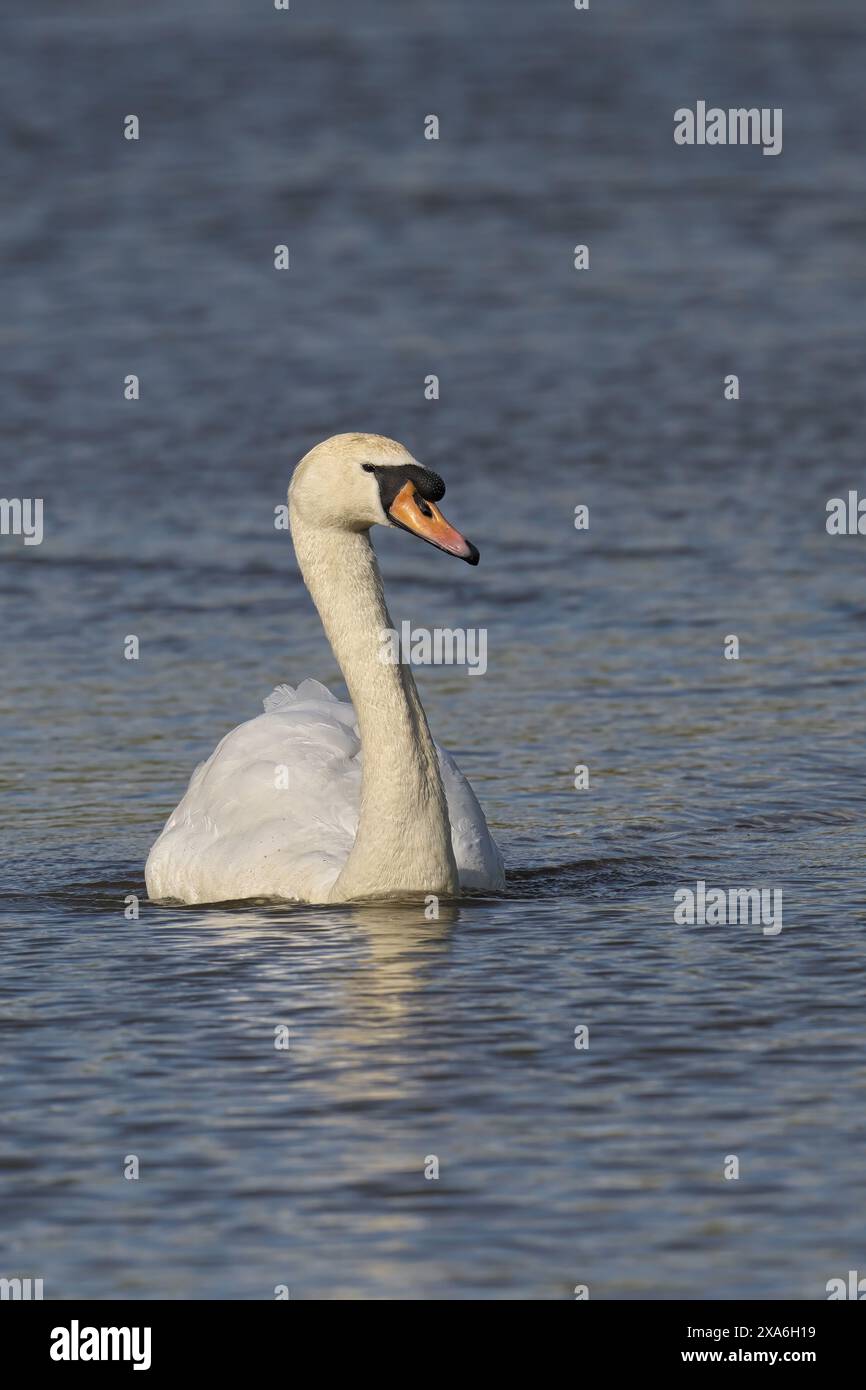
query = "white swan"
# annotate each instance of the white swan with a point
(317, 800)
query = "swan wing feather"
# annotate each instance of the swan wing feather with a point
(273, 812)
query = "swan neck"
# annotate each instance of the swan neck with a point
(403, 842)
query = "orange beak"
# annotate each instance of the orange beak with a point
(414, 513)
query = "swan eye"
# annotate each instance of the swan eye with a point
(368, 467)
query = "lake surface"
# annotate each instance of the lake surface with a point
(455, 1038)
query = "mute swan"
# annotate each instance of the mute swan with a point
(318, 800)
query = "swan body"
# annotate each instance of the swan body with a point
(320, 800)
(237, 834)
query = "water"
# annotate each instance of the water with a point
(451, 1038)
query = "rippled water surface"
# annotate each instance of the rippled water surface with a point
(452, 1038)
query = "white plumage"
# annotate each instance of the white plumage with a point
(273, 812)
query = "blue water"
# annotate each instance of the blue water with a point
(155, 1037)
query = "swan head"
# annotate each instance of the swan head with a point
(354, 481)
